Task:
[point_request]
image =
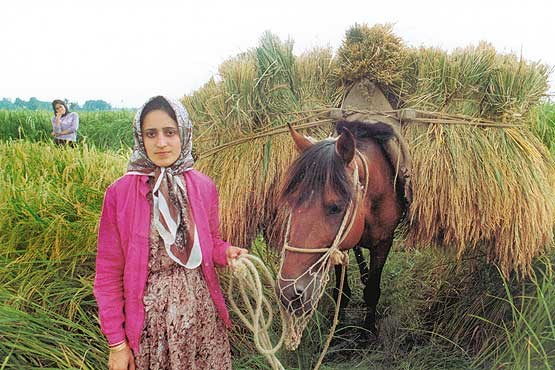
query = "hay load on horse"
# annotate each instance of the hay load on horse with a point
(482, 184)
(481, 181)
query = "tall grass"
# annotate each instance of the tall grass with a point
(431, 311)
(545, 126)
(528, 332)
(49, 210)
(49, 207)
(104, 130)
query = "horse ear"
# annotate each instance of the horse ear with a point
(345, 145)
(301, 142)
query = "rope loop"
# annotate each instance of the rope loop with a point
(258, 314)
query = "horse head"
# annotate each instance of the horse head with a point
(322, 189)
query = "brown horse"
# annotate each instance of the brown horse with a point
(318, 188)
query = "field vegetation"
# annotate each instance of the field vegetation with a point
(441, 308)
(50, 203)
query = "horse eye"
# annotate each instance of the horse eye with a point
(333, 209)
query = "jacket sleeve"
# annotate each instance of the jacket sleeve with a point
(108, 283)
(220, 246)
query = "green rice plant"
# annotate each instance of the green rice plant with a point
(104, 130)
(49, 209)
(107, 130)
(514, 87)
(39, 333)
(51, 198)
(48, 315)
(528, 331)
(23, 124)
(545, 125)
(276, 89)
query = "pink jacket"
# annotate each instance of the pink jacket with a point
(123, 251)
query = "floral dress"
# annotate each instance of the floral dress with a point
(182, 327)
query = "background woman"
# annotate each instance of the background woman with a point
(64, 123)
(159, 299)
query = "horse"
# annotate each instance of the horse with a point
(321, 187)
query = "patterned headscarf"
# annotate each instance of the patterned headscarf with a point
(169, 207)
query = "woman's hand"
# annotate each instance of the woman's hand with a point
(121, 360)
(233, 252)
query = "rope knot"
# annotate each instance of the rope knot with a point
(338, 257)
(239, 268)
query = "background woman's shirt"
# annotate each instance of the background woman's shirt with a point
(70, 123)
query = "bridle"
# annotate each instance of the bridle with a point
(318, 272)
(350, 215)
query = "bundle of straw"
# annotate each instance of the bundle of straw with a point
(474, 187)
(257, 92)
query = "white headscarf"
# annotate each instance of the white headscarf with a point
(168, 182)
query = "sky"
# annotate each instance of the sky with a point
(125, 51)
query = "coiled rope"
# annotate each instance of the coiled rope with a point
(259, 313)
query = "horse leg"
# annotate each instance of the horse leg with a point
(362, 265)
(372, 289)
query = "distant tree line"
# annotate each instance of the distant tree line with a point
(35, 104)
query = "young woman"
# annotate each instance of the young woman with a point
(159, 299)
(64, 124)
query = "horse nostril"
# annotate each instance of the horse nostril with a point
(291, 295)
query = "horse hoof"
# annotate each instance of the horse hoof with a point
(359, 336)
(341, 335)
(347, 338)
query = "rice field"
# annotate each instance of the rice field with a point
(434, 313)
(469, 285)
(103, 130)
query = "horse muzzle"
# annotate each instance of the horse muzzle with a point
(296, 296)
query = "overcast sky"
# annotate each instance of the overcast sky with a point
(125, 51)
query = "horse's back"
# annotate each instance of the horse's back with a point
(385, 201)
(367, 130)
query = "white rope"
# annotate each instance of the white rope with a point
(259, 312)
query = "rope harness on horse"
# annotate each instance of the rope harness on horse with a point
(298, 317)
(293, 321)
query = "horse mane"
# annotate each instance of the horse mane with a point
(319, 167)
(316, 169)
(362, 130)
